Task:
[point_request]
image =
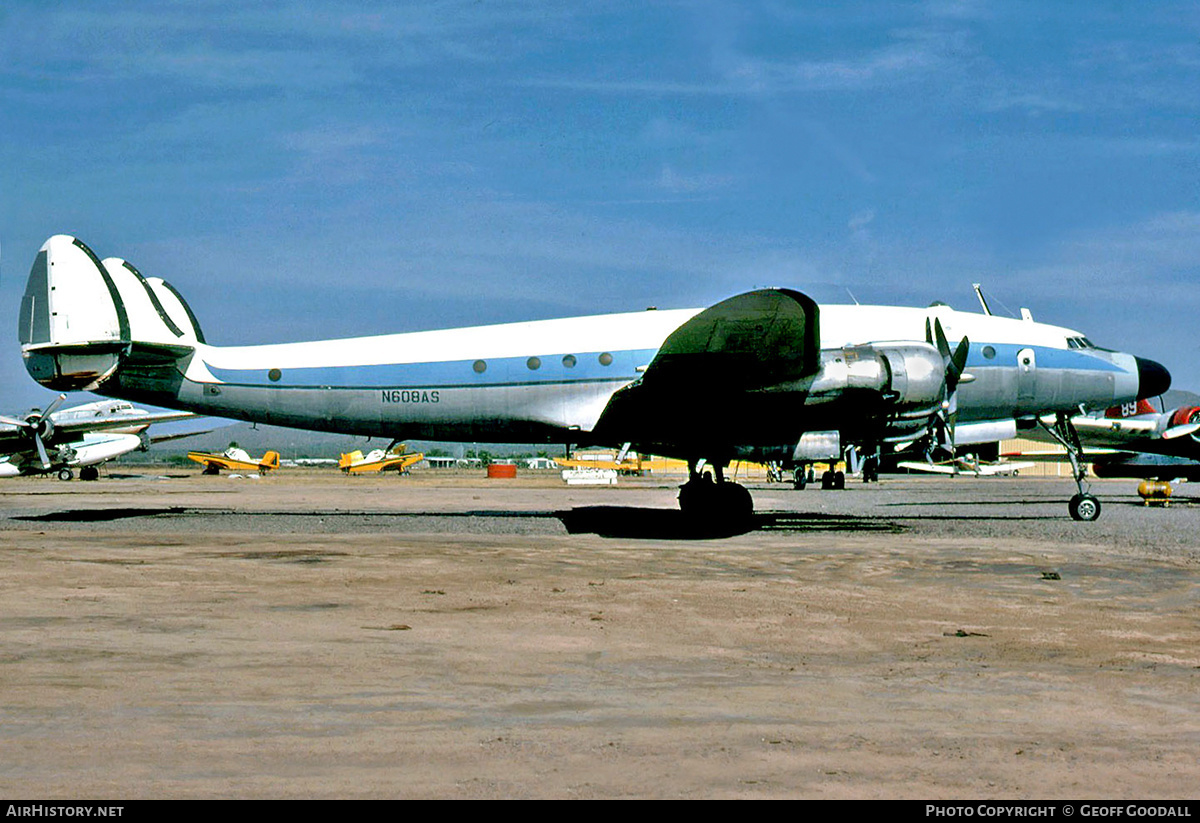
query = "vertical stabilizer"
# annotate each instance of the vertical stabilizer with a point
(73, 325)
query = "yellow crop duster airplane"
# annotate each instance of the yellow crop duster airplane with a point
(767, 375)
(378, 461)
(235, 459)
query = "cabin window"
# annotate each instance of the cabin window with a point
(989, 352)
(534, 363)
(569, 361)
(274, 374)
(479, 366)
(605, 359)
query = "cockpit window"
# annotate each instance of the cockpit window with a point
(1083, 343)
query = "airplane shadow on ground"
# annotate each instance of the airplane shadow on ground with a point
(98, 515)
(672, 524)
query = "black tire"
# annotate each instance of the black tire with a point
(826, 480)
(839, 481)
(1084, 507)
(697, 497)
(210, 468)
(65, 474)
(735, 501)
(799, 480)
(89, 473)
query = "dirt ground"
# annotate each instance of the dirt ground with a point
(312, 635)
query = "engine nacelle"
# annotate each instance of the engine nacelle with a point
(1185, 415)
(917, 376)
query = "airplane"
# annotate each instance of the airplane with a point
(379, 460)
(1138, 441)
(81, 437)
(967, 464)
(764, 375)
(235, 459)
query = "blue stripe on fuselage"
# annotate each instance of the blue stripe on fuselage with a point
(516, 371)
(1045, 357)
(452, 374)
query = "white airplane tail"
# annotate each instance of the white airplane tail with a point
(82, 317)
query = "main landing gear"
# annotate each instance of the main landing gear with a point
(718, 501)
(1084, 505)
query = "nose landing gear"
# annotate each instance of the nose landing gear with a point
(1084, 505)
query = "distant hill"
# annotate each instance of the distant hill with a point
(1176, 398)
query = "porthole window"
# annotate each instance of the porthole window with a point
(274, 374)
(606, 359)
(989, 352)
(534, 363)
(569, 361)
(479, 366)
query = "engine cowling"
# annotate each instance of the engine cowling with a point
(1184, 416)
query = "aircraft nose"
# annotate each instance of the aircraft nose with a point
(1153, 378)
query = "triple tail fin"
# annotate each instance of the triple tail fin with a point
(81, 317)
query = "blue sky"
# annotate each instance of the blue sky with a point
(321, 169)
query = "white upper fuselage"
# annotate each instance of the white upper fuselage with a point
(632, 332)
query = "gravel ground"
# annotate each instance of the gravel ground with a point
(312, 635)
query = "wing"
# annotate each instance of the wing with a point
(68, 430)
(717, 374)
(164, 438)
(933, 468)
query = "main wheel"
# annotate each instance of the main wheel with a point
(89, 473)
(799, 479)
(697, 496)
(65, 474)
(735, 501)
(1084, 507)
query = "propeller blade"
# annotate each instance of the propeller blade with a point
(943, 345)
(54, 404)
(1180, 431)
(12, 421)
(41, 450)
(958, 360)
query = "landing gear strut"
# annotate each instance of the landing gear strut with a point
(1084, 505)
(720, 501)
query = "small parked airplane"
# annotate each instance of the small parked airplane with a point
(968, 464)
(765, 375)
(81, 437)
(1136, 440)
(379, 460)
(235, 459)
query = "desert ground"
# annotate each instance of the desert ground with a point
(309, 634)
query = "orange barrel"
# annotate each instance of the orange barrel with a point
(502, 470)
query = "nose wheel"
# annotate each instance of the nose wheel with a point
(1084, 507)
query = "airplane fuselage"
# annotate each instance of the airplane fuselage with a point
(550, 381)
